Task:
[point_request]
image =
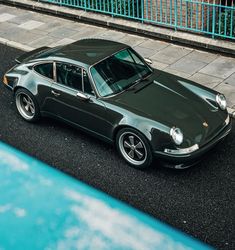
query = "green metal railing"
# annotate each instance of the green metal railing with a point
(215, 19)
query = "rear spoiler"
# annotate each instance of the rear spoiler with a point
(31, 54)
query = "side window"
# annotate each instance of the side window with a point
(69, 75)
(45, 69)
(87, 85)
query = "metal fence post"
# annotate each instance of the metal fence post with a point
(176, 14)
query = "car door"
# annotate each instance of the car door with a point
(74, 99)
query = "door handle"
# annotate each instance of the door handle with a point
(55, 93)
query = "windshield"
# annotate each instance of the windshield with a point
(118, 72)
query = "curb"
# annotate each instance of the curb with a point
(15, 45)
(26, 48)
(231, 112)
(127, 25)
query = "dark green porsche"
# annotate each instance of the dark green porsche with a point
(109, 90)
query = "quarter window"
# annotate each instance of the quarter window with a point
(45, 69)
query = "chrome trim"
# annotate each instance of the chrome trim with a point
(218, 100)
(227, 120)
(172, 131)
(182, 150)
(148, 61)
(54, 71)
(82, 96)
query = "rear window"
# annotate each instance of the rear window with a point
(45, 69)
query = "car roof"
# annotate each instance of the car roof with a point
(86, 51)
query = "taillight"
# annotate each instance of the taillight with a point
(5, 80)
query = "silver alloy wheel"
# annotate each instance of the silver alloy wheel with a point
(25, 105)
(132, 148)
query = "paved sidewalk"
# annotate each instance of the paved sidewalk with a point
(27, 30)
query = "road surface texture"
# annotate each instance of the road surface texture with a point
(198, 200)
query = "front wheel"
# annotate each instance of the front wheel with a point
(26, 105)
(134, 148)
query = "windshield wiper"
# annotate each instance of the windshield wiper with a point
(133, 84)
(141, 79)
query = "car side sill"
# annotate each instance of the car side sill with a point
(100, 136)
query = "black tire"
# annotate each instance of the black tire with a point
(134, 148)
(27, 105)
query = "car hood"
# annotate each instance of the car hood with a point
(163, 99)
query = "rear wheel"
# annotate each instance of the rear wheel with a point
(26, 105)
(134, 148)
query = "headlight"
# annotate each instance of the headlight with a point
(176, 135)
(221, 100)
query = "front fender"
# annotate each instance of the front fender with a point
(209, 95)
(156, 133)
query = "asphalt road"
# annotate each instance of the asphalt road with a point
(198, 201)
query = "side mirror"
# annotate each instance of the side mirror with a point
(148, 61)
(83, 96)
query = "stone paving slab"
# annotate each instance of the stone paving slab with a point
(62, 32)
(28, 30)
(230, 80)
(133, 40)
(5, 17)
(45, 41)
(201, 56)
(112, 35)
(154, 44)
(43, 33)
(63, 41)
(51, 26)
(85, 31)
(19, 19)
(159, 65)
(187, 65)
(145, 52)
(30, 25)
(206, 80)
(171, 54)
(5, 26)
(228, 90)
(177, 72)
(221, 67)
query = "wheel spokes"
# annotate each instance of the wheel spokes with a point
(27, 106)
(131, 138)
(131, 153)
(139, 154)
(32, 110)
(139, 145)
(25, 100)
(133, 150)
(126, 144)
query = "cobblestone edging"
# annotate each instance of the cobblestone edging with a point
(127, 25)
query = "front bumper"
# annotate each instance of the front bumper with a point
(181, 161)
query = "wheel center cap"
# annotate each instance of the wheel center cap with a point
(132, 147)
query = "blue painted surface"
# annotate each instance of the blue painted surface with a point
(42, 208)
